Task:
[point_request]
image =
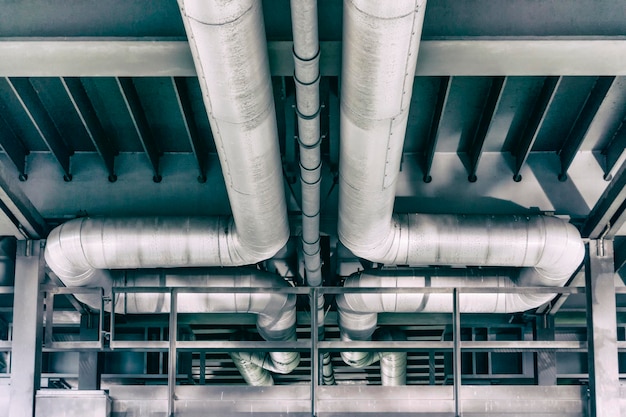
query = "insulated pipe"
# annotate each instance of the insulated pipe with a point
(374, 110)
(276, 312)
(227, 44)
(252, 373)
(231, 59)
(380, 45)
(392, 364)
(227, 41)
(358, 312)
(306, 55)
(230, 55)
(381, 42)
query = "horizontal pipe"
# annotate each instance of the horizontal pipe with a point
(275, 312)
(77, 247)
(358, 312)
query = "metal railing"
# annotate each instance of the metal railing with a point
(107, 341)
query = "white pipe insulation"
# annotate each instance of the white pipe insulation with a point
(227, 41)
(381, 42)
(306, 57)
(275, 312)
(358, 312)
(380, 45)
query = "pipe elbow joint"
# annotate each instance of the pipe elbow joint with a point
(65, 239)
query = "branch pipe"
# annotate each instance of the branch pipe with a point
(381, 43)
(306, 56)
(227, 41)
(275, 312)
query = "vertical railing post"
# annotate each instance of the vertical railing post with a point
(602, 329)
(89, 366)
(545, 360)
(456, 337)
(171, 363)
(315, 359)
(27, 328)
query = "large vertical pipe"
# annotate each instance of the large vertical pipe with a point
(227, 41)
(380, 46)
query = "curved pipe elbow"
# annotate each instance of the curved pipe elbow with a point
(252, 373)
(77, 249)
(277, 362)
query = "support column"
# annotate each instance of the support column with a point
(602, 329)
(27, 328)
(89, 363)
(546, 360)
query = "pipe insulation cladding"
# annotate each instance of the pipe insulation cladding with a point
(227, 41)
(275, 312)
(381, 43)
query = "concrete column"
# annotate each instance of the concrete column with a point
(27, 328)
(602, 330)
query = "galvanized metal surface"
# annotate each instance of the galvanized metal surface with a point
(346, 400)
(456, 57)
(602, 333)
(27, 336)
(66, 403)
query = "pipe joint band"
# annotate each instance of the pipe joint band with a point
(316, 242)
(312, 146)
(305, 60)
(319, 165)
(311, 216)
(311, 183)
(311, 117)
(304, 83)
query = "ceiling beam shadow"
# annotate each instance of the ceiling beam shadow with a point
(608, 215)
(615, 153)
(140, 122)
(32, 106)
(492, 103)
(578, 132)
(84, 109)
(198, 146)
(435, 126)
(13, 147)
(533, 126)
